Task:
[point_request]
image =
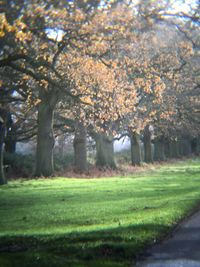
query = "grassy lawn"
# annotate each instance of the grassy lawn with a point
(93, 222)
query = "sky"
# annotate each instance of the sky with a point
(183, 5)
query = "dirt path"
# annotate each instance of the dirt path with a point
(182, 249)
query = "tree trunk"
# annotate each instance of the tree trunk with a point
(166, 148)
(185, 147)
(173, 149)
(45, 140)
(195, 145)
(104, 151)
(159, 150)
(80, 148)
(197, 151)
(148, 150)
(2, 135)
(10, 141)
(135, 149)
(61, 145)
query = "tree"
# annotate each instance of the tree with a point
(41, 57)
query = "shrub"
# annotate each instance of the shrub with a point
(63, 162)
(18, 165)
(123, 157)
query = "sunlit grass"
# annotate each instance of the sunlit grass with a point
(93, 222)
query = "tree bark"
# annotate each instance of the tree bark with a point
(80, 148)
(195, 145)
(185, 147)
(173, 149)
(10, 142)
(104, 151)
(148, 150)
(45, 140)
(159, 149)
(2, 136)
(61, 145)
(197, 150)
(135, 149)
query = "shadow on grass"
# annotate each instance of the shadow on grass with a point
(110, 247)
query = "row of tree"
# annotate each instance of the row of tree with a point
(102, 68)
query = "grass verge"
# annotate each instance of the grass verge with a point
(93, 222)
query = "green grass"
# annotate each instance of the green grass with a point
(93, 222)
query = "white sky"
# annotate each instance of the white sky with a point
(183, 5)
